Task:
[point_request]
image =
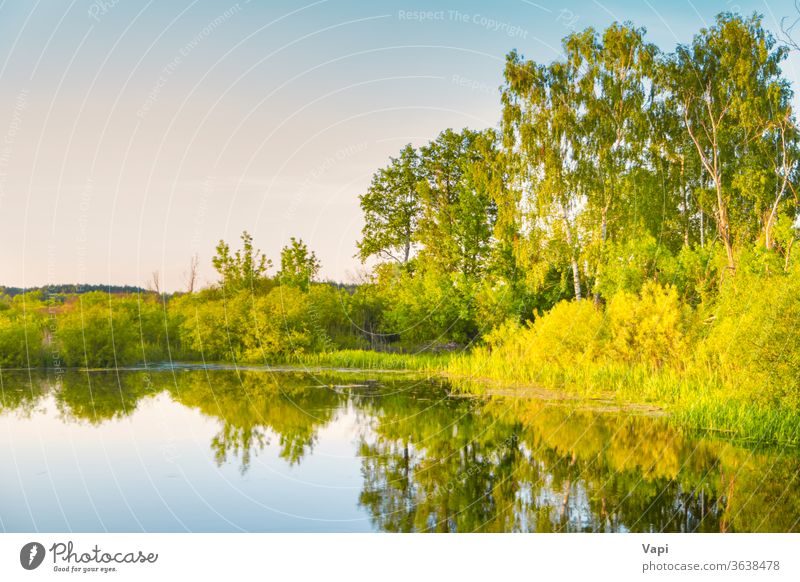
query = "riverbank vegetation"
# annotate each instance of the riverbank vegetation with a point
(629, 227)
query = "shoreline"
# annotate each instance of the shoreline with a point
(690, 400)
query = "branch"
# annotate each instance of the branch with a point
(786, 30)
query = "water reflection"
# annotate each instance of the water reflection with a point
(434, 461)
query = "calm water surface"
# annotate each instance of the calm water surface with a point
(218, 450)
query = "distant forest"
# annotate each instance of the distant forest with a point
(71, 289)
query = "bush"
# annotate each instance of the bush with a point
(281, 327)
(497, 301)
(98, 332)
(628, 266)
(158, 327)
(327, 314)
(569, 334)
(647, 329)
(755, 335)
(566, 337)
(203, 329)
(20, 345)
(427, 307)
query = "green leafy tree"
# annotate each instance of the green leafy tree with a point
(391, 208)
(541, 106)
(611, 73)
(299, 266)
(458, 211)
(244, 269)
(724, 86)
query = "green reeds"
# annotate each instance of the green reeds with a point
(696, 398)
(369, 360)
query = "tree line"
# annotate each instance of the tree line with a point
(616, 157)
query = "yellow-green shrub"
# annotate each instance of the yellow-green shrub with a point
(570, 333)
(20, 344)
(567, 336)
(647, 329)
(754, 339)
(98, 332)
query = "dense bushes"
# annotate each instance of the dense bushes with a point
(754, 337)
(98, 331)
(642, 329)
(281, 325)
(729, 363)
(424, 308)
(20, 344)
(648, 328)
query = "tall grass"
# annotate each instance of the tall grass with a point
(741, 419)
(369, 360)
(698, 399)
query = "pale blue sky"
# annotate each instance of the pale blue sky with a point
(134, 134)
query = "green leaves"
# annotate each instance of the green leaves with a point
(391, 208)
(243, 269)
(101, 331)
(299, 266)
(728, 88)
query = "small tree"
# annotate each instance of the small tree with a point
(299, 266)
(242, 269)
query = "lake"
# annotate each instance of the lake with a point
(217, 450)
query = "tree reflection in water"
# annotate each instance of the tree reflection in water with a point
(433, 461)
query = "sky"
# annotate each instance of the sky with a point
(136, 134)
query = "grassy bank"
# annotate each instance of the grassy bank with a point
(369, 360)
(696, 400)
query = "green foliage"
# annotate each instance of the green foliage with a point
(629, 264)
(157, 327)
(440, 200)
(426, 307)
(299, 266)
(458, 211)
(754, 337)
(391, 208)
(569, 335)
(277, 326)
(649, 328)
(728, 87)
(98, 331)
(283, 326)
(204, 330)
(497, 300)
(20, 343)
(329, 314)
(244, 269)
